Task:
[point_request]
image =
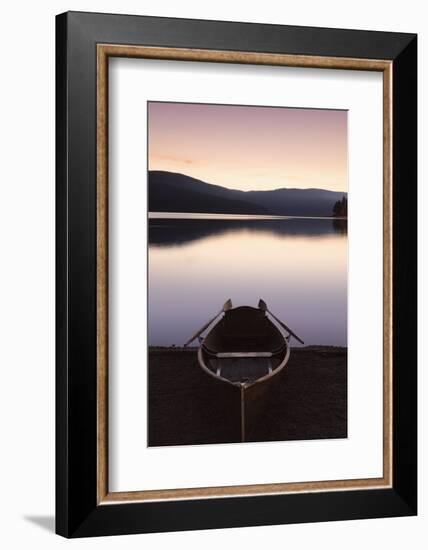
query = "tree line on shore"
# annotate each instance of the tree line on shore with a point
(340, 208)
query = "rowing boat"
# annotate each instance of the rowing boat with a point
(245, 347)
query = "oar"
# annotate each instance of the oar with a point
(226, 307)
(263, 307)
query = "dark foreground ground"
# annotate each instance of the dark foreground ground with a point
(307, 400)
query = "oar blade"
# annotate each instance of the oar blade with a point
(227, 305)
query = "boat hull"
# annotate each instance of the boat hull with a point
(248, 360)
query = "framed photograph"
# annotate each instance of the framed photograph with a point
(236, 274)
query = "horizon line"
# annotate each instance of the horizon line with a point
(251, 190)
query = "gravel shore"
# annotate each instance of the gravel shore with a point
(307, 400)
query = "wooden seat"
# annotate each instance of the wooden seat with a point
(238, 369)
(225, 355)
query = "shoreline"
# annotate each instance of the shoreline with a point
(220, 216)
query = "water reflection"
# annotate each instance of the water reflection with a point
(340, 225)
(169, 232)
(298, 266)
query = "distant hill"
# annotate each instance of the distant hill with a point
(172, 192)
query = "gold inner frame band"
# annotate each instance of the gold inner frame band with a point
(104, 51)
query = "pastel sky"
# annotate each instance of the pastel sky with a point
(250, 148)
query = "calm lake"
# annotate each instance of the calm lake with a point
(198, 261)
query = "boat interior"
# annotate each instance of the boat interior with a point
(244, 346)
(243, 369)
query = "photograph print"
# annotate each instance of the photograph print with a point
(247, 273)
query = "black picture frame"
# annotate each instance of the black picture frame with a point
(77, 512)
